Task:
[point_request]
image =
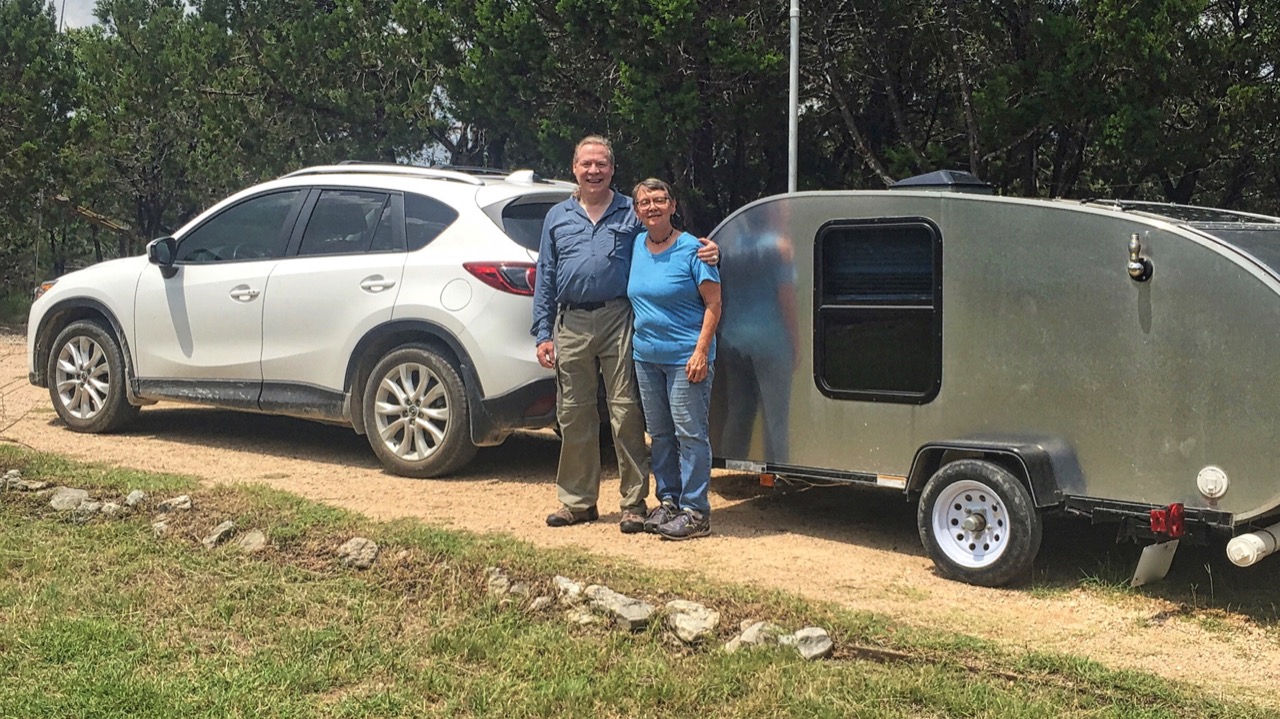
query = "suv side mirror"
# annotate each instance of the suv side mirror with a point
(161, 252)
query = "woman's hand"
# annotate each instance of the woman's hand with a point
(696, 368)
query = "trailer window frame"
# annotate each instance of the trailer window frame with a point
(902, 304)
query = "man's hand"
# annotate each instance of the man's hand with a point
(547, 354)
(709, 252)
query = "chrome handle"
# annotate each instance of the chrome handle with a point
(1139, 267)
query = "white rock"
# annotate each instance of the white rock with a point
(66, 499)
(812, 642)
(252, 541)
(220, 534)
(691, 622)
(569, 591)
(181, 502)
(358, 552)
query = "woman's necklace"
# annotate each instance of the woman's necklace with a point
(663, 241)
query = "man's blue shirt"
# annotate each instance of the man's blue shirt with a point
(581, 261)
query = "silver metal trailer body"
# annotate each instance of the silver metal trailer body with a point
(876, 336)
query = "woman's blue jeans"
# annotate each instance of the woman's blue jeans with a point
(676, 416)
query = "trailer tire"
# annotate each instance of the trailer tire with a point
(978, 524)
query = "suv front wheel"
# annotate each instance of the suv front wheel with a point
(416, 415)
(86, 379)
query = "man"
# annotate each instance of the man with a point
(582, 325)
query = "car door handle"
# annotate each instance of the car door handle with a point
(244, 293)
(377, 283)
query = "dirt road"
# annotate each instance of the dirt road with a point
(857, 548)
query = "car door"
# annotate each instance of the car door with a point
(339, 281)
(199, 329)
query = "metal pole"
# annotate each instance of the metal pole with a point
(793, 108)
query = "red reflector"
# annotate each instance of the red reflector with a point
(514, 277)
(1177, 520)
(1159, 521)
(1170, 521)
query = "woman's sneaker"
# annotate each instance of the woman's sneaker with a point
(661, 514)
(686, 525)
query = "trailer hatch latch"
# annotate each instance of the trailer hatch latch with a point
(1139, 267)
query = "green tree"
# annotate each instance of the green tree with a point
(35, 92)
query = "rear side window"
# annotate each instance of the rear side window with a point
(879, 310)
(523, 222)
(344, 222)
(425, 219)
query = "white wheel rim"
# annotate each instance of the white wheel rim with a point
(82, 377)
(411, 411)
(971, 524)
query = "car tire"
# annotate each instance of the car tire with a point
(978, 523)
(87, 378)
(416, 414)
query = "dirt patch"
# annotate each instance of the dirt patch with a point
(857, 548)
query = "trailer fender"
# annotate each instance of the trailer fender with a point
(1047, 466)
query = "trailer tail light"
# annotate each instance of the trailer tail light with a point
(516, 278)
(1169, 521)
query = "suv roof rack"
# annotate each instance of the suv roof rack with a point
(387, 168)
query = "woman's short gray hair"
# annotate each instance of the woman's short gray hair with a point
(652, 184)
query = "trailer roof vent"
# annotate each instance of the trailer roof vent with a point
(945, 181)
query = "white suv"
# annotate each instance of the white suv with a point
(393, 299)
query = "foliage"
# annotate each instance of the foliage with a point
(163, 107)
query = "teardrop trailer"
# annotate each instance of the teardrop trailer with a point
(999, 359)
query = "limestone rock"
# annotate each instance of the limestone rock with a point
(252, 541)
(569, 591)
(182, 502)
(111, 509)
(66, 499)
(358, 552)
(811, 642)
(160, 527)
(13, 480)
(628, 613)
(755, 634)
(692, 622)
(540, 603)
(135, 498)
(581, 616)
(220, 534)
(497, 580)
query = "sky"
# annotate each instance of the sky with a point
(77, 13)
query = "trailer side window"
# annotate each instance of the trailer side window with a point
(879, 310)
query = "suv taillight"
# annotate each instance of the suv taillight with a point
(514, 277)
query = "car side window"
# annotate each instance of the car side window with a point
(425, 219)
(346, 222)
(249, 230)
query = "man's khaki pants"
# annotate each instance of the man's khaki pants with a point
(590, 344)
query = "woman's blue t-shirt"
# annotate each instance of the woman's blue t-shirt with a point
(664, 297)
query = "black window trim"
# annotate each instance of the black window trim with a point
(286, 228)
(309, 205)
(820, 311)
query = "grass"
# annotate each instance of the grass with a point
(103, 619)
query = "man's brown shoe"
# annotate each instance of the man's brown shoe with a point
(632, 522)
(564, 517)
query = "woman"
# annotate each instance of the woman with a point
(676, 302)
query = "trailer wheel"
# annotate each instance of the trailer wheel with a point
(978, 524)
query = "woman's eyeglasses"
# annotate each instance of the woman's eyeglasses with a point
(648, 202)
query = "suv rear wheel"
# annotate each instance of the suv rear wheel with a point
(416, 414)
(86, 379)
